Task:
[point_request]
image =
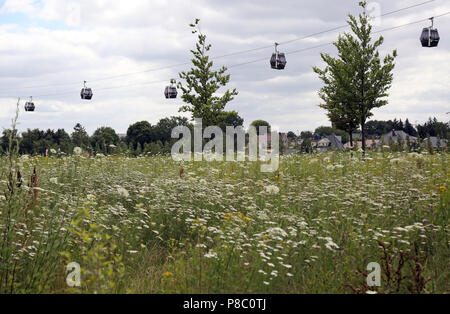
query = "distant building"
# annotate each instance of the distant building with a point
(268, 137)
(326, 143)
(396, 137)
(369, 144)
(435, 143)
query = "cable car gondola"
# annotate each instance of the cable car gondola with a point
(86, 93)
(171, 91)
(278, 60)
(29, 105)
(430, 36)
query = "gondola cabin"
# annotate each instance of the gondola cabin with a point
(170, 92)
(29, 105)
(430, 36)
(278, 60)
(86, 93)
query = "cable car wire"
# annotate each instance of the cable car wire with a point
(226, 55)
(330, 43)
(239, 64)
(236, 65)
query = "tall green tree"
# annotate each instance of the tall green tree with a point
(140, 133)
(80, 137)
(360, 74)
(163, 129)
(336, 95)
(409, 129)
(202, 84)
(103, 137)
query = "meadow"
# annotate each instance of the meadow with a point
(143, 225)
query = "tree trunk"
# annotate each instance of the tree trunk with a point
(351, 138)
(363, 136)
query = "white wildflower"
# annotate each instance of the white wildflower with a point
(272, 189)
(211, 254)
(123, 192)
(276, 232)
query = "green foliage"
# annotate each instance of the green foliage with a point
(259, 123)
(306, 134)
(102, 267)
(434, 128)
(103, 137)
(139, 133)
(229, 118)
(326, 130)
(358, 80)
(224, 227)
(80, 137)
(202, 83)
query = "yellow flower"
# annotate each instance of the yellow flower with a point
(167, 274)
(228, 216)
(442, 189)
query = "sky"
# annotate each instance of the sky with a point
(49, 47)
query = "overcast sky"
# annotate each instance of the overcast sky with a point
(59, 43)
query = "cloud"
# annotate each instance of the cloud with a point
(57, 44)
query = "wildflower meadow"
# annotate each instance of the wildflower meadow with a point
(154, 225)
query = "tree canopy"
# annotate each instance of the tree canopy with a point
(358, 78)
(202, 84)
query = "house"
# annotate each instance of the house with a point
(326, 143)
(369, 144)
(396, 137)
(435, 143)
(268, 137)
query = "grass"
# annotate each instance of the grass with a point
(134, 225)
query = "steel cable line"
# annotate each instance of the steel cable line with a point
(330, 43)
(96, 89)
(239, 64)
(225, 55)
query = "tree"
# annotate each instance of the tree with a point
(258, 123)
(140, 133)
(80, 137)
(291, 135)
(5, 139)
(230, 118)
(306, 147)
(335, 94)
(434, 128)
(103, 137)
(326, 130)
(363, 78)
(409, 129)
(202, 83)
(163, 130)
(306, 135)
